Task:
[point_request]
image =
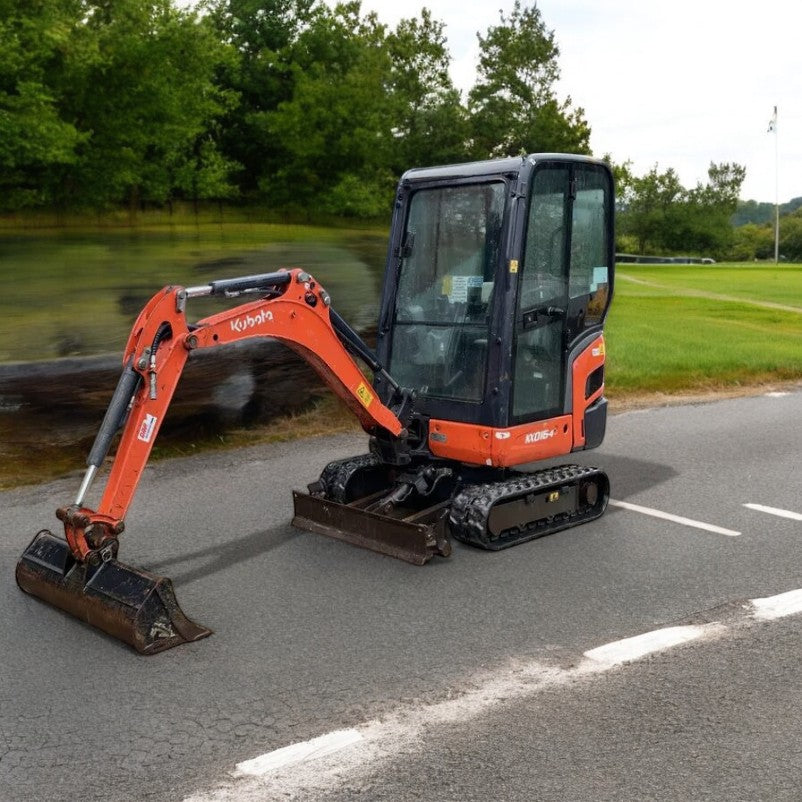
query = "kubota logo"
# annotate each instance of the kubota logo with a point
(241, 324)
(537, 437)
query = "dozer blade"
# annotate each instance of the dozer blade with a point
(130, 604)
(415, 538)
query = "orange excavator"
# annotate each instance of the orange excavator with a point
(490, 356)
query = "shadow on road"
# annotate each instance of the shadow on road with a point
(225, 555)
(630, 476)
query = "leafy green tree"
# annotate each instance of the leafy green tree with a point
(791, 237)
(37, 43)
(650, 208)
(751, 241)
(513, 106)
(334, 130)
(708, 211)
(429, 123)
(664, 217)
(262, 34)
(144, 98)
(751, 211)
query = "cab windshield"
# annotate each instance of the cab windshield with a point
(449, 255)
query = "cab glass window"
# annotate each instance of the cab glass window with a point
(590, 275)
(449, 254)
(542, 298)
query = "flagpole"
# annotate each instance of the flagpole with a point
(773, 130)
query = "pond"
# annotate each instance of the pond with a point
(77, 293)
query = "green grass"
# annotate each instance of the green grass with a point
(780, 284)
(667, 339)
(180, 215)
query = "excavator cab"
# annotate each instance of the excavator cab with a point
(490, 356)
(499, 275)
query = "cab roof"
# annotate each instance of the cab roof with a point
(478, 169)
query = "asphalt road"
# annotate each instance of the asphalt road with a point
(467, 678)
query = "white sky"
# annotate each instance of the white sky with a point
(677, 83)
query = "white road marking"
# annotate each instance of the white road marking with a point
(778, 606)
(776, 394)
(260, 778)
(794, 516)
(677, 519)
(628, 649)
(295, 753)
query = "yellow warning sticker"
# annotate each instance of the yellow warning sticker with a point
(598, 350)
(364, 395)
(513, 265)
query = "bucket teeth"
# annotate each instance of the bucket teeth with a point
(135, 606)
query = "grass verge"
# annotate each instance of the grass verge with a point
(670, 332)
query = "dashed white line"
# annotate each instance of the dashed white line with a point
(628, 649)
(677, 519)
(794, 516)
(776, 394)
(295, 753)
(778, 606)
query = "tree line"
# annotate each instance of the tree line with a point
(289, 102)
(753, 237)
(295, 105)
(658, 215)
(756, 241)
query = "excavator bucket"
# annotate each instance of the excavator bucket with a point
(135, 606)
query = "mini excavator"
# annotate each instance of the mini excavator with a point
(490, 356)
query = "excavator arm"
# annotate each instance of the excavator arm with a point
(81, 574)
(294, 309)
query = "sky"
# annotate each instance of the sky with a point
(674, 84)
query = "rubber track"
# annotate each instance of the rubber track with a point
(337, 474)
(471, 507)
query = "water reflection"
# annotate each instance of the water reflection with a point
(72, 293)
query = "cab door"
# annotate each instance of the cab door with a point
(563, 282)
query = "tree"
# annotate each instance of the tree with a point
(144, 99)
(262, 34)
(429, 123)
(710, 208)
(37, 42)
(751, 211)
(513, 106)
(752, 241)
(662, 216)
(791, 236)
(334, 131)
(651, 208)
